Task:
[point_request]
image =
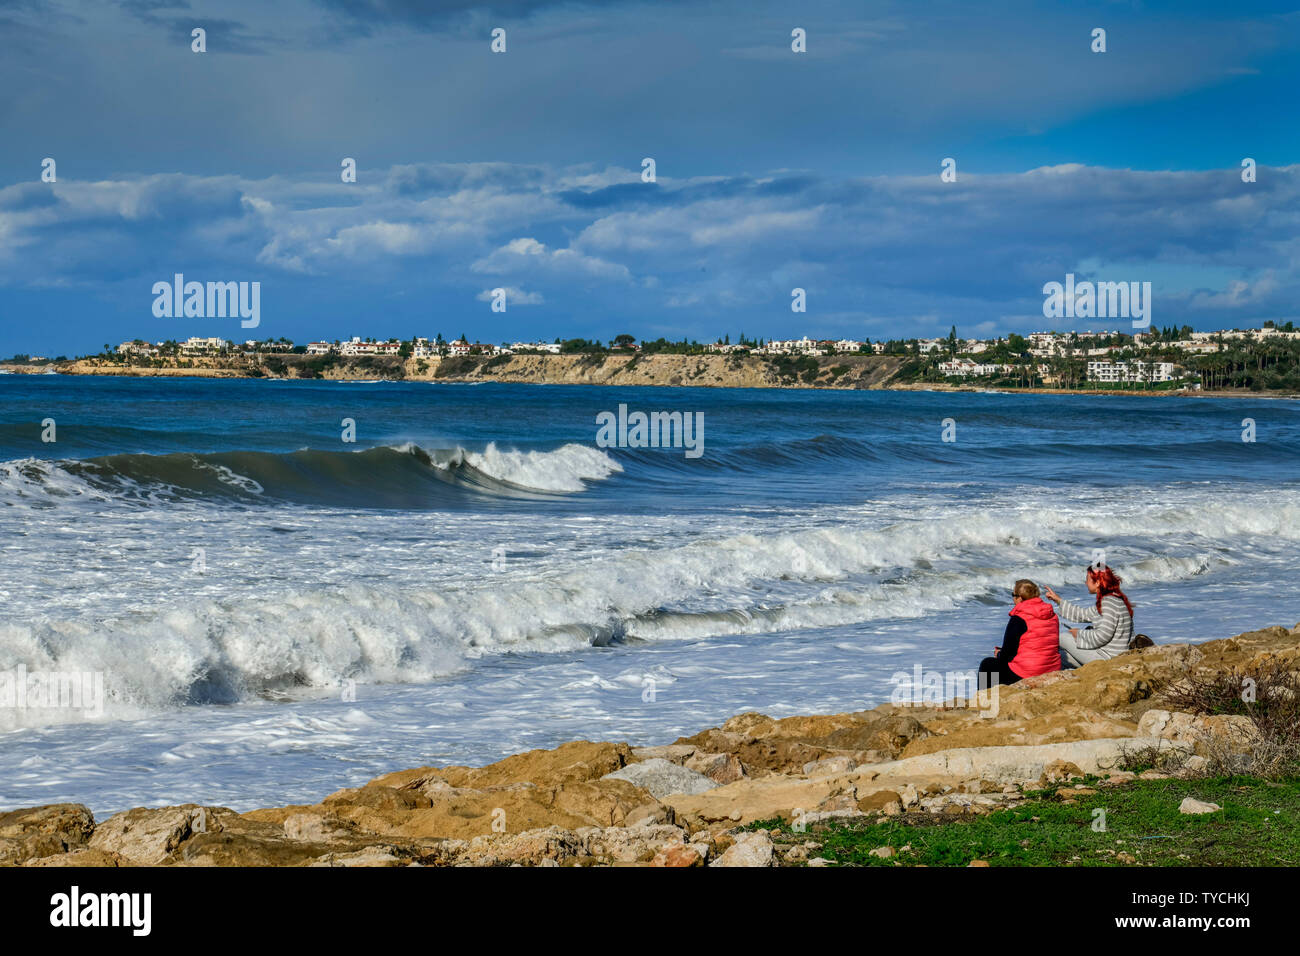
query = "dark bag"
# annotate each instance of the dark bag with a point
(1140, 641)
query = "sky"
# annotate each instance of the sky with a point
(522, 170)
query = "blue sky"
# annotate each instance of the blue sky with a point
(522, 170)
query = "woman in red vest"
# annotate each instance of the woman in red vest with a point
(1030, 645)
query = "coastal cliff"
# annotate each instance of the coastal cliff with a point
(720, 371)
(699, 800)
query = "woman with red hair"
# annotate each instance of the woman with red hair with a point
(1110, 621)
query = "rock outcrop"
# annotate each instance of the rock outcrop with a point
(682, 804)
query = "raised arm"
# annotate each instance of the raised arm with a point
(1074, 612)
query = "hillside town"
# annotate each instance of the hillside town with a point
(1053, 359)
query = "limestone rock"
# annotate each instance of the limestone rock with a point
(887, 802)
(1058, 771)
(681, 854)
(630, 844)
(843, 800)
(150, 836)
(829, 765)
(380, 798)
(370, 856)
(662, 778)
(81, 857)
(38, 832)
(648, 813)
(720, 768)
(750, 849)
(1192, 805)
(576, 761)
(529, 848)
(315, 828)
(673, 753)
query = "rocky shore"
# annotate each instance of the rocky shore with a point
(688, 803)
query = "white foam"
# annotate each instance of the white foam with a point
(564, 469)
(249, 641)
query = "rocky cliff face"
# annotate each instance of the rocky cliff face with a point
(719, 371)
(599, 803)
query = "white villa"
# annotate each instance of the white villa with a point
(136, 347)
(964, 367)
(203, 346)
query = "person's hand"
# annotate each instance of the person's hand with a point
(997, 651)
(1074, 632)
(1051, 595)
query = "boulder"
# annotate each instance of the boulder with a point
(1192, 805)
(750, 849)
(193, 835)
(150, 836)
(887, 802)
(661, 778)
(720, 768)
(687, 854)
(829, 765)
(38, 832)
(649, 813)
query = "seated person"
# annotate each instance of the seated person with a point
(1110, 620)
(1030, 644)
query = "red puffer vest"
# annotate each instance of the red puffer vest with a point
(1039, 650)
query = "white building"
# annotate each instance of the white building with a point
(964, 367)
(203, 346)
(319, 348)
(355, 346)
(1130, 372)
(136, 348)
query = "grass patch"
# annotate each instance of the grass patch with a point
(1259, 825)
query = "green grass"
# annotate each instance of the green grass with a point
(1259, 825)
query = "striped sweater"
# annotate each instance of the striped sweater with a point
(1109, 630)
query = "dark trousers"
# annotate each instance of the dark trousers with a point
(993, 666)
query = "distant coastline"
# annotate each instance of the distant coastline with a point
(839, 372)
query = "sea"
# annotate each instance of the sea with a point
(282, 588)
